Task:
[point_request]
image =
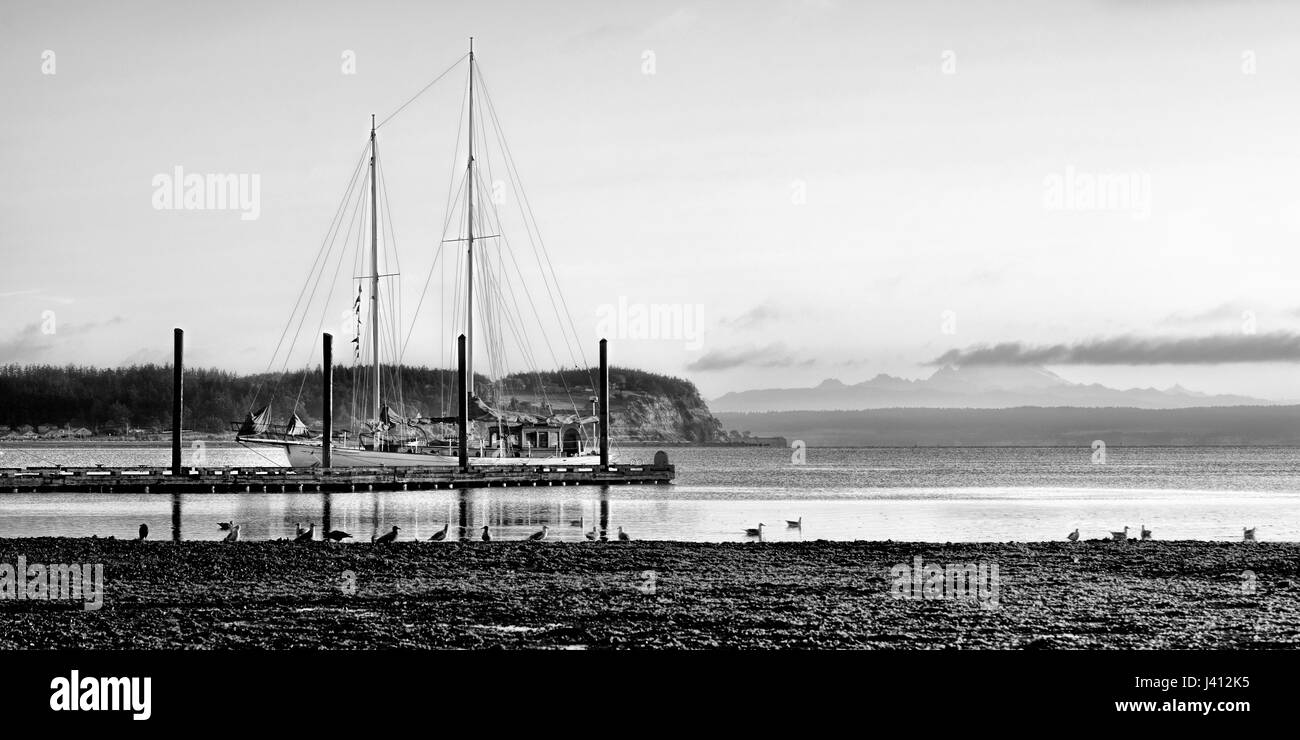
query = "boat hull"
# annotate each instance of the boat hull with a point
(308, 454)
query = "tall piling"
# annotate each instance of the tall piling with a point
(327, 399)
(604, 404)
(462, 413)
(178, 394)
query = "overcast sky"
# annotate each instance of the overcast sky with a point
(845, 188)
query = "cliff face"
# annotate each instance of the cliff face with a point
(640, 416)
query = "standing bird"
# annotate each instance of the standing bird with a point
(1248, 535)
(144, 531)
(1073, 536)
(306, 535)
(1146, 533)
(441, 535)
(792, 524)
(298, 529)
(755, 531)
(337, 535)
(234, 534)
(1120, 536)
(487, 534)
(622, 536)
(591, 536)
(224, 526)
(538, 536)
(388, 538)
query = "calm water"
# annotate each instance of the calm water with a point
(919, 494)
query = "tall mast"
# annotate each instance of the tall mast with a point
(469, 229)
(374, 263)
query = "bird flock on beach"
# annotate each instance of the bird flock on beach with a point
(593, 534)
(1144, 534)
(338, 535)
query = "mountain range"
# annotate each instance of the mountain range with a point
(974, 387)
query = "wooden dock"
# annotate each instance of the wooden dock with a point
(303, 480)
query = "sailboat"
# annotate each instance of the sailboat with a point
(388, 439)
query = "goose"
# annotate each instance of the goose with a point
(538, 536)
(1073, 536)
(298, 530)
(306, 535)
(1120, 536)
(579, 522)
(388, 538)
(591, 536)
(794, 524)
(622, 536)
(144, 532)
(234, 534)
(440, 535)
(337, 535)
(755, 531)
(1146, 533)
(1248, 535)
(487, 534)
(224, 526)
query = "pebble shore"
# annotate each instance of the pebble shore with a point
(665, 595)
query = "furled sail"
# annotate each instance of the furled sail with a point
(298, 428)
(257, 422)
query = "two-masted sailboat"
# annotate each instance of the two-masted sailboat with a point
(387, 438)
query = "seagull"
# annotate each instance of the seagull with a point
(224, 526)
(144, 531)
(1146, 533)
(1073, 536)
(755, 531)
(338, 535)
(792, 524)
(441, 535)
(388, 538)
(306, 535)
(234, 534)
(538, 536)
(622, 536)
(1120, 536)
(591, 536)
(1248, 535)
(487, 534)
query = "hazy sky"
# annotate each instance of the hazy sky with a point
(841, 188)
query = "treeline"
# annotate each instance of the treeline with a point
(140, 397)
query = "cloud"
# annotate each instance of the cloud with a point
(771, 355)
(756, 317)
(1215, 349)
(1224, 312)
(37, 338)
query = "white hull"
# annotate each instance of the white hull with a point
(308, 454)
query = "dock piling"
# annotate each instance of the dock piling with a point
(462, 415)
(178, 392)
(604, 405)
(327, 402)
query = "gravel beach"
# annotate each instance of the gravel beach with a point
(280, 595)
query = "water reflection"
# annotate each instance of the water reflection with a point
(936, 515)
